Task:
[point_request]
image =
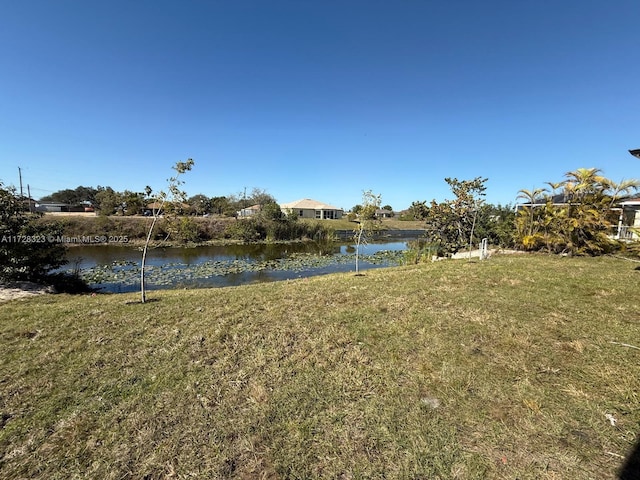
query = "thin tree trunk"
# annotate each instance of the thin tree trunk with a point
(358, 247)
(473, 226)
(143, 297)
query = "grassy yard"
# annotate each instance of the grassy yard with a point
(510, 368)
(385, 224)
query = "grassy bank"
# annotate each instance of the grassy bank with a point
(200, 229)
(385, 224)
(510, 368)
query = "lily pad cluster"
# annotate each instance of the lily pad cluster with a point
(127, 273)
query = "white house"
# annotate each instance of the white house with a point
(629, 223)
(308, 208)
(383, 213)
(249, 211)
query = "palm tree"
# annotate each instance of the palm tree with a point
(589, 214)
(584, 224)
(583, 182)
(531, 196)
(554, 186)
(624, 187)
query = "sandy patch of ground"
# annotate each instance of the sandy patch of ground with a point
(13, 290)
(491, 252)
(71, 214)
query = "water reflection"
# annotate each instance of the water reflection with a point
(117, 268)
(91, 255)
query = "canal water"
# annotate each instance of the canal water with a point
(117, 268)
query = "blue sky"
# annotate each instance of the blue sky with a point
(317, 99)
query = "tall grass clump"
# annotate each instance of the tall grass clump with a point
(420, 251)
(284, 229)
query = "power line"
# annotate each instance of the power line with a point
(44, 190)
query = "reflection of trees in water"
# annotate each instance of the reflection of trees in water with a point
(115, 269)
(270, 251)
(91, 255)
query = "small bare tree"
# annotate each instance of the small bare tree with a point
(164, 200)
(368, 222)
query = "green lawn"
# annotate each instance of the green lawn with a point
(507, 368)
(385, 224)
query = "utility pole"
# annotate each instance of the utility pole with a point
(244, 202)
(29, 193)
(20, 175)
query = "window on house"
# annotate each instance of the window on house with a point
(300, 213)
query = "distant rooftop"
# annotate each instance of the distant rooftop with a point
(308, 203)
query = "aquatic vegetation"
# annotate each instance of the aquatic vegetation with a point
(126, 273)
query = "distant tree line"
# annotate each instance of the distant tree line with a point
(269, 223)
(108, 201)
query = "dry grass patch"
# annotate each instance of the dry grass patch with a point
(466, 370)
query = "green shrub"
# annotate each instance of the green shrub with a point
(247, 230)
(28, 249)
(421, 251)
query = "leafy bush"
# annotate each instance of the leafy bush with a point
(64, 282)
(182, 229)
(28, 250)
(452, 224)
(496, 223)
(246, 230)
(420, 251)
(274, 230)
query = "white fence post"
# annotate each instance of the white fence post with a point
(484, 252)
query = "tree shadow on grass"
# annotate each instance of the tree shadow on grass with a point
(631, 468)
(138, 302)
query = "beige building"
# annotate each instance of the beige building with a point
(308, 208)
(629, 223)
